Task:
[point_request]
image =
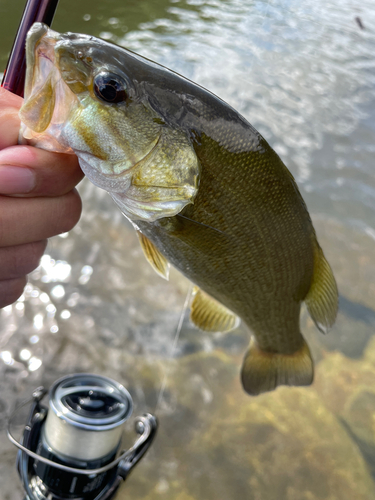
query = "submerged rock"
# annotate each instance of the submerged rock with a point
(338, 378)
(347, 388)
(287, 446)
(220, 443)
(359, 415)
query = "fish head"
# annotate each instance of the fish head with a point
(87, 96)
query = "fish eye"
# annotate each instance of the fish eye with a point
(110, 87)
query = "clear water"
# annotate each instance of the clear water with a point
(303, 74)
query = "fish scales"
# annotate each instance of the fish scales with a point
(256, 281)
(201, 186)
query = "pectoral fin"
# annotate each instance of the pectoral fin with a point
(211, 316)
(263, 371)
(158, 262)
(322, 298)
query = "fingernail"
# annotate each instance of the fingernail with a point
(16, 180)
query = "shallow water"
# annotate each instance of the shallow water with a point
(303, 74)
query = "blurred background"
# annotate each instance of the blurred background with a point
(303, 74)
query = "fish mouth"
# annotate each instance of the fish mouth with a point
(40, 56)
(48, 101)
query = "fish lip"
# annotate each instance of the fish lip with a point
(40, 42)
(41, 68)
(36, 33)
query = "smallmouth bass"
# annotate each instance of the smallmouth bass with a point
(201, 186)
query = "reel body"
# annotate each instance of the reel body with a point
(70, 449)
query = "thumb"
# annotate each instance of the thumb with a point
(9, 120)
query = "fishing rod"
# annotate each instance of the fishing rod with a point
(70, 449)
(35, 11)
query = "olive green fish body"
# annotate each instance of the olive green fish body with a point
(202, 187)
(247, 240)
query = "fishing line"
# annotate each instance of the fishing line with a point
(173, 347)
(204, 225)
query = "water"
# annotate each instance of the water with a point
(302, 73)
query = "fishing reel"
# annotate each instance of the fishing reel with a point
(70, 449)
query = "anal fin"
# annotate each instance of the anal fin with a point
(156, 259)
(263, 371)
(211, 316)
(322, 298)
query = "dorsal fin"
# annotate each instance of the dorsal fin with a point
(322, 298)
(157, 260)
(211, 316)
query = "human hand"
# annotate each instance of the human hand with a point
(37, 200)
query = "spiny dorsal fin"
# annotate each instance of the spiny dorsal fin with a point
(322, 299)
(263, 371)
(158, 262)
(211, 316)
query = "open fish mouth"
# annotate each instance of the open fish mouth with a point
(48, 100)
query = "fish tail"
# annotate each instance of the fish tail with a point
(263, 371)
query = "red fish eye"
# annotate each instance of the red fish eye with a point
(110, 88)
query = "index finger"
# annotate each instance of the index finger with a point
(9, 120)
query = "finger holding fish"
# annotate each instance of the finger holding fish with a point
(48, 174)
(37, 200)
(9, 120)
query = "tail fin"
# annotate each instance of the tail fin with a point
(263, 371)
